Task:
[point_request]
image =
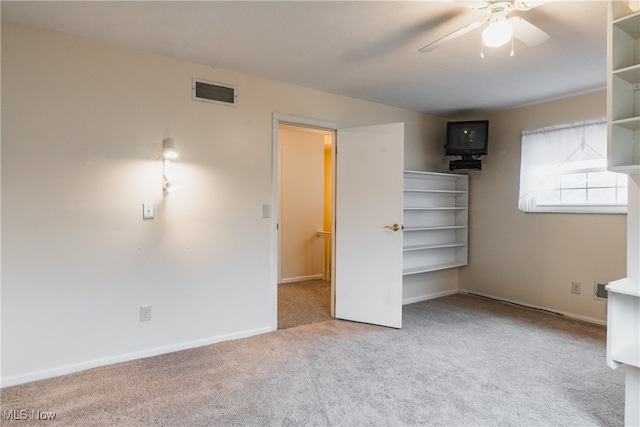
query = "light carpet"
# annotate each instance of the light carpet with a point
(457, 361)
(303, 303)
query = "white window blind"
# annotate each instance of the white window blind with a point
(564, 169)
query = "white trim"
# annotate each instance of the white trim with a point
(551, 311)
(302, 278)
(428, 297)
(581, 209)
(77, 367)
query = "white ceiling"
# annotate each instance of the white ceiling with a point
(361, 49)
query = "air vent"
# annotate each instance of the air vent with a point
(217, 93)
(599, 292)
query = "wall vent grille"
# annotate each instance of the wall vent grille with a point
(216, 93)
(599, 292)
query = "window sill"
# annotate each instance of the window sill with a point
(581, 209)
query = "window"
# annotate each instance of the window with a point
(564, 169)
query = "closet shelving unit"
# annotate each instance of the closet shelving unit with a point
(435, 221)
(623, 119)
(624, 90)
(624, 310)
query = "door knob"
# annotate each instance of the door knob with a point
(394, 227)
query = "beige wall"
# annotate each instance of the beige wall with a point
(533, 258)
(301, 212)
(82, 125)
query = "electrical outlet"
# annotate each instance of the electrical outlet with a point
(575, 287)
(145, 313)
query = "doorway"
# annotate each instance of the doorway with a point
(305, 199)
(366, 248)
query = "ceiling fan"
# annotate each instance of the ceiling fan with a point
(501, 28)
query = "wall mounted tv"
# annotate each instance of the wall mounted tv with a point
(467, 139)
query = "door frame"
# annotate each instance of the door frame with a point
(288, 119)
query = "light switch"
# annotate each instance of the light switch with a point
(266, 211)
(147, 211)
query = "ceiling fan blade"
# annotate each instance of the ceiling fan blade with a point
(451, 36)
(473, 4)
(527, 33)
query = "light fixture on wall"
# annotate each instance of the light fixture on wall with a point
(170, 186)
(169, 149)
(169, 152)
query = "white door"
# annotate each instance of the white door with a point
(368, 220)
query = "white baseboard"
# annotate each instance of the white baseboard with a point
(429, 296)
(562, 313)
(83, 366)
(301, 278)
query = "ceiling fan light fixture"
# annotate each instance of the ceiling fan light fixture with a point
(498, 33)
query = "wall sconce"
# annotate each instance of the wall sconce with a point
(169, 152)
(169, 149)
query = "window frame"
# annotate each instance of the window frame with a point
(581, 148)
(596, 208)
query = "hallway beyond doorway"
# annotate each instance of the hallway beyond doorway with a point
(303, 303)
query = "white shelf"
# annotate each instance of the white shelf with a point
(623, 323)
(435, 191)
(624, 286)
(435, 221)
(630, 74)
(434, 267)
(427, 228)
(433, 246)
(623, 87)
(630, 355)
(630, 24)
(435, 209)
(632, 123)
(431, 175)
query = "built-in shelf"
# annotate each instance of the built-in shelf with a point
(630, 24)
(433, 246)
(628, 74)
(442, 208)
(428, 228)
(434, 267)
(409, 191)
(632, 123)
(623, 326)
(623, 322)
(435, 221)
(623, 88)
(623, 152)
(629, 169)
(630, 355)
(624, 286)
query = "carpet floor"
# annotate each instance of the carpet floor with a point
(458, 361)
(303, 303)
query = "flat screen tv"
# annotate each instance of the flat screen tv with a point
(468, 138)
